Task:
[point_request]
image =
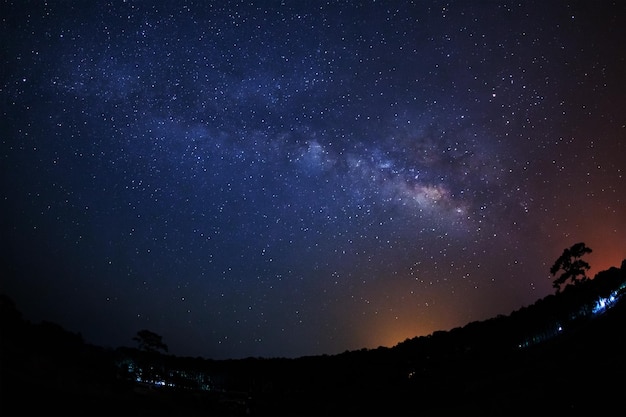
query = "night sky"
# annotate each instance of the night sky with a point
(303, 177)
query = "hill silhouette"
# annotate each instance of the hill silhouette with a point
(562, 355)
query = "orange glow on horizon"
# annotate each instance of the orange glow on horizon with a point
(609, 250)
(605, 257)
(393, 335)
(391, 330)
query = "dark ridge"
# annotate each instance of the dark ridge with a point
(563, 355)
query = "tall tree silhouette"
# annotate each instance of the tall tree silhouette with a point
(572, 266)
(150, 341)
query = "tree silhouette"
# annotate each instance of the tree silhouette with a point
(150, 341)
(574, 268)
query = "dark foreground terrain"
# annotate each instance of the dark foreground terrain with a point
(564, 355)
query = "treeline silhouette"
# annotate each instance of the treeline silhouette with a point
(562, 355)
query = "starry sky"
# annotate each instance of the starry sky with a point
(281, 179)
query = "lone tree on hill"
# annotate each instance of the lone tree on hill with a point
(574, 268)
(150, 341)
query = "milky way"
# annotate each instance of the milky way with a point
(295, 178)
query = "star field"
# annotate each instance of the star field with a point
(295, 178)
